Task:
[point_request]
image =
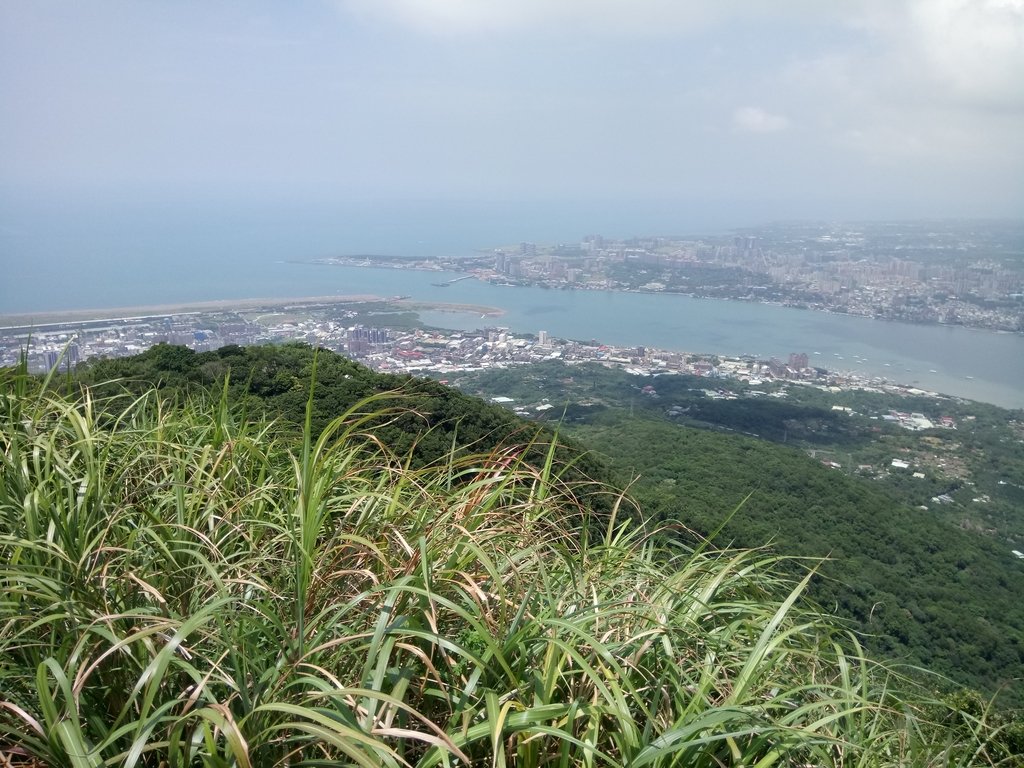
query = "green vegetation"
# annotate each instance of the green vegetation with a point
(420, 419)
(936, 587)
(184, 582)
(374, 313)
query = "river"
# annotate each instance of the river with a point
(976, 364)
(980, 365)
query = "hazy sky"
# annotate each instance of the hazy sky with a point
(837, 107)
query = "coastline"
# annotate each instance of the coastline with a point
(480, 314)
(434, 306)
(12, 321)
(767, 303)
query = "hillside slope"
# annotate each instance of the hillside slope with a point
(922, 588)
(186, 583)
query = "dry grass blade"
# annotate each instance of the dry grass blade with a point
(177, 584)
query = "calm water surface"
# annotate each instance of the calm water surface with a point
(103, 257)
(940, 358)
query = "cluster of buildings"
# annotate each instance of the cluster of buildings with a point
(64, 344)
(962, 273)
(916, 422)
(952, 274)
(414, 351)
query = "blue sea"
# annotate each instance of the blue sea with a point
(135, 252)
(85, 253)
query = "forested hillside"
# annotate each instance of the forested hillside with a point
(187, 583)
(921, 591)
(274, 381)
(416, 419)
(921, 585)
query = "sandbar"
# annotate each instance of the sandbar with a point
(29, 319)
(436, 306)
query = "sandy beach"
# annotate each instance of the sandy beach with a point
(434, 306)
(29, 319)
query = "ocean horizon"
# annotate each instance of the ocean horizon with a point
(98, 256)
(93, 253)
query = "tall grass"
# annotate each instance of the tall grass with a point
(179, 586)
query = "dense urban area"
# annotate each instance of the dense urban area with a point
(912, 496)
(957, 273)
(966, 273)
(383, 335)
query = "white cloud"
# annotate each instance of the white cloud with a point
(920, 83)
(757, 120)
(973, 47)
(618, 17)
(441, 15)
(513, 95)
(967, 53)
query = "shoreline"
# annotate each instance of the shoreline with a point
(764, 303)
(17, 320)
(27, 324)
(436, 306)
(21, 320)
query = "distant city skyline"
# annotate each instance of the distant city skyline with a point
(796, 109)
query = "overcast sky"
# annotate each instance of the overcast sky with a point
(891, 108)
